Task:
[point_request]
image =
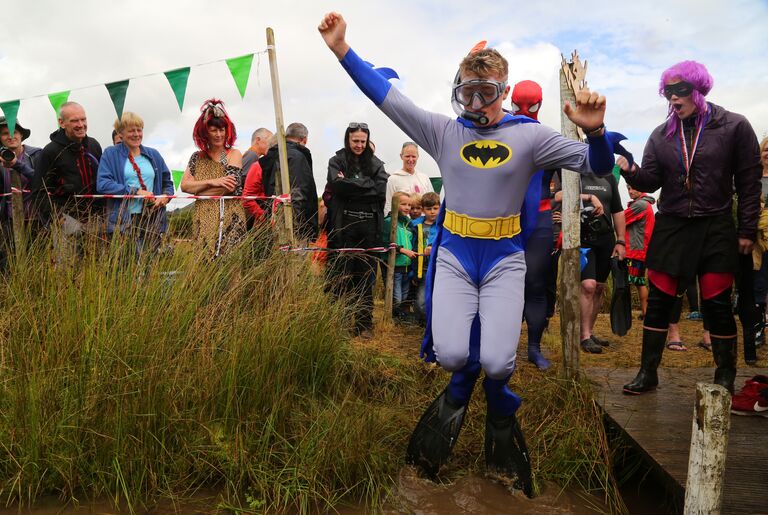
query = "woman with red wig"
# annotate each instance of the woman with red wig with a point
(215, 169)
(697, 157)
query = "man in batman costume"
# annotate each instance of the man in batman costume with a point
(476, 278)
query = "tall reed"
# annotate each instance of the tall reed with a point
(139, 379)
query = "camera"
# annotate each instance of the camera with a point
(589, 222)
(6, 154)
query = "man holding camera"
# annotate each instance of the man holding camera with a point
(15, 156)
(602, 233)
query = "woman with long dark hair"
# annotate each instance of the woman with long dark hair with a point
(355, 195)
(215, 169)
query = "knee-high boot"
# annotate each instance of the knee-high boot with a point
(724, 352)
(647, 378)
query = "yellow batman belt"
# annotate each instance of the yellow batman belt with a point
(483, 228)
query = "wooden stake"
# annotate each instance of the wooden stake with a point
(391, 257)
(570, 268)
(288, 234)
(18, 209)
(709, 443)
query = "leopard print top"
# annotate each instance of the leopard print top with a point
(217, 225)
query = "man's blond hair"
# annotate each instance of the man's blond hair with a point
(485, 63)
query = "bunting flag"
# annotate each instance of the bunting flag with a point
(177, 176)
(240, 68)
(57, 99)
(178, 80)
(10, 110)
(117, 91)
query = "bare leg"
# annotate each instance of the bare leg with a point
(586, 300)
(674, 333)
(642, 292)
(597, 304)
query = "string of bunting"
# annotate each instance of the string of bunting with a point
(239, 68)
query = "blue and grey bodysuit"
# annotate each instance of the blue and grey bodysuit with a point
(480, 266)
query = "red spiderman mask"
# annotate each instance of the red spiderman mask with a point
(526, 99)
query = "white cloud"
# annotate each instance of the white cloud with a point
(57, 45)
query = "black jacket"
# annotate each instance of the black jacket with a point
(727, 155)
(65, 168)
(303, 189)
(356, 190)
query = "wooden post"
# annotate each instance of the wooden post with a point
(571, 77)
(709, 443)
(391, 257)
(18, 209)
(288, 234)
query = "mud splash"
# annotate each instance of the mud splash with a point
(479, 495)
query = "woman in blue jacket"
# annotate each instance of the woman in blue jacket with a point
(129, 168)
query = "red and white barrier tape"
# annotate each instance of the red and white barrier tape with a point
(381, 250)
(276, 198)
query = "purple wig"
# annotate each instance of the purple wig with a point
(696, 74)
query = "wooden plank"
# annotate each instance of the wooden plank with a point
(659, 423)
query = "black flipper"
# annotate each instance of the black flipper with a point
(435, 435)
(506, 452)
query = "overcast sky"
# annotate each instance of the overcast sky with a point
(48, 46)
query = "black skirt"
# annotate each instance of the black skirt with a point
(687, 247)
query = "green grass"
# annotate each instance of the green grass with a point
(150, 380)
(119, 380)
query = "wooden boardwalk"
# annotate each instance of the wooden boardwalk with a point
(659, 424)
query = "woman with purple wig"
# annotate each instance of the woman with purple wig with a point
(697, 157)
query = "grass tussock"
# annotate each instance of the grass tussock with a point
(152, 379)
(143, 379)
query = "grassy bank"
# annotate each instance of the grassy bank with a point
(140, 381)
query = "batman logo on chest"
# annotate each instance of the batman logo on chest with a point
(485, 153)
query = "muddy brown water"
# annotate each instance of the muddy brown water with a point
(413, 495)
(479, 495)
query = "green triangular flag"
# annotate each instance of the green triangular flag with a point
(178, 81)
(240, 68)
(10, 110)
(117, 91)
(616, 172)
(177, 176)
(57, 99)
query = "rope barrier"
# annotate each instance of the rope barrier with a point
(354, 250)
(288, 248)
(276, 198)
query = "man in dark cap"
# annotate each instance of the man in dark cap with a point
(22, 162)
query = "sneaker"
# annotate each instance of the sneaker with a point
(600, 341)
(753, 398)
(590, 346)
(694, 315)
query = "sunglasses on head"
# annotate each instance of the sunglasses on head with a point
(355, 125)
(680, 89)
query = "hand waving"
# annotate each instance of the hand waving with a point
(333, 28)
(589, 111)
